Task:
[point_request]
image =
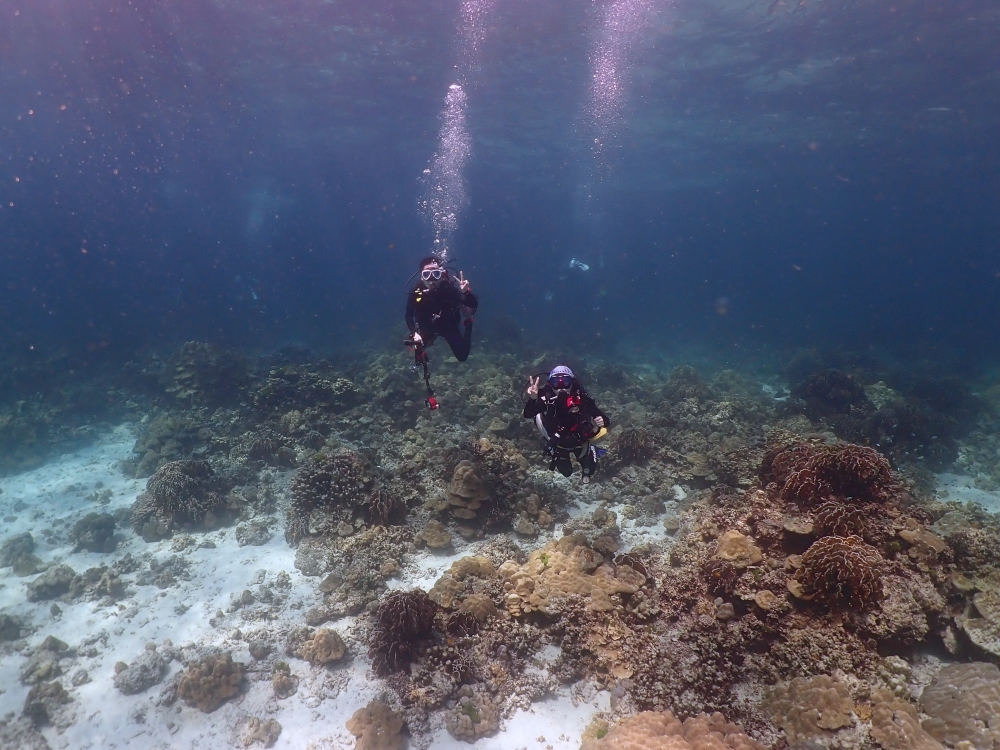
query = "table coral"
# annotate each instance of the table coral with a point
(209, 683)
(963, 704)
(841, 570)
(564, 568)
(660, 730)
(810, 708)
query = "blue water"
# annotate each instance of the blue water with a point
(782, 174)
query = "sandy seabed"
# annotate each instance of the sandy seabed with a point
(47, 501)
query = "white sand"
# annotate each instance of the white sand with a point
(55, 496)
(961, 488)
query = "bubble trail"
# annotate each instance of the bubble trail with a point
(444, 180)
(623, 24)
(444, 193)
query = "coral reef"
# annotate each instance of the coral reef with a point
(403, 620)
(329, 489)
(44, 702)
(210, 682)
(467, 492)
(203, 374)
(896, 725)
(377, 727)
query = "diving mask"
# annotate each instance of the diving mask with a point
(432, 273)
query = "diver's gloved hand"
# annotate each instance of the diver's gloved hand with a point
(598, 422)
(533, 387)
(550, 448)
(463, 283)
(415, 340)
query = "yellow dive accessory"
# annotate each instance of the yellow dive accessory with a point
(600, 433)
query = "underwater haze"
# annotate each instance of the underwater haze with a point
(500, 374)
(245, 172)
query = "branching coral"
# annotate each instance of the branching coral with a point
(209, 683)
(180, 493)
(809, 474)
(403, 621)
(840, 570)
(635, 445)
(328, 482)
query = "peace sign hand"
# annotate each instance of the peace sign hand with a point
(533, 387)
(463, 283)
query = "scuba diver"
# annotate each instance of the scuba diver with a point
(439, 305)
(568, 418)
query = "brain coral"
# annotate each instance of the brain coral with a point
(329, 481)
(963, 704)
(840, 570)
(563, 568)
(811, 708)
(655, 730)
(809, 474)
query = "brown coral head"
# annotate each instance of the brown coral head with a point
(720, 576)
(209, 683)
(842, 570)
(808, 474)
(840, 519)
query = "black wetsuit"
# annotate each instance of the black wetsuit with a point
(442, 311)
(568, 429)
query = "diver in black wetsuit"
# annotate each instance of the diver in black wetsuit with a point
(569, 420)
(439, 305)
